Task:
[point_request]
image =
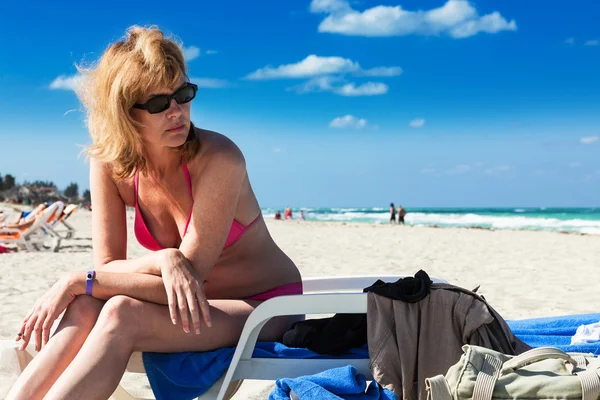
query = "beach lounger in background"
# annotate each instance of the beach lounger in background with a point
(37, 236)
(326, 295)
(66, 213)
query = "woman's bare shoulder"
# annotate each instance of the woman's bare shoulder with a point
(215, 146)
(103, 172)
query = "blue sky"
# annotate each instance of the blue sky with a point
(340, 103)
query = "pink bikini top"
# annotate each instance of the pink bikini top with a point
(145, 237)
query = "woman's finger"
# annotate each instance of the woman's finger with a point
(24, 324)
(37, 331)
(183, 311)
(21, 331)
(204, 307)
(27, 331)
(47, 326)
(194, 311)
(172, 299)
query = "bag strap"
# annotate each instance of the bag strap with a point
(486, 378)
(539, 354)
(437, 388)
(590, 384)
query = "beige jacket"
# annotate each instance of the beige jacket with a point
(409, 342)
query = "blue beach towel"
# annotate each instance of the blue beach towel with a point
(188, 375)
(333, 384)
(555, 332)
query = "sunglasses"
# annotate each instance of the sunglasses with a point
(162, 102)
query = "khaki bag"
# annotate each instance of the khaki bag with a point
(542, 373)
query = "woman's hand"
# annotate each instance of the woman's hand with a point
(45, 311)
(185, 290)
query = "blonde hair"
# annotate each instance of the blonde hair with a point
(144, 59)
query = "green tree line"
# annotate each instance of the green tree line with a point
(8, 182)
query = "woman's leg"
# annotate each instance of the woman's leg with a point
(55, 357)
(126, 325)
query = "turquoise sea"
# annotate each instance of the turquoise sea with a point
(576, 220)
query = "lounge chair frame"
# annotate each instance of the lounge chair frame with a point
(324, 295)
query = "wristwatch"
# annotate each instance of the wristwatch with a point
(89, 282)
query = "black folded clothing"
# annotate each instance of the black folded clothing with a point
(333, 336)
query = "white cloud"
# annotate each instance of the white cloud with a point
(428, 170)
(498, 169)
(570, 40)
(211, 52)
(588, 139)
(459, 169)
(456, 18)
(592, 43)
(314, 65)
(311, 66)
(325, 72)
(382, 71)
(329, 84)
(348, 121)
(317, 84)
(210, 83)
(277, 150)
(576, 164)
(417, 123)
(64, 82)
(366, 89)
(191, 53)
(329, 6)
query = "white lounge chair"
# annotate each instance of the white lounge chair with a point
(70, 230)
(39, 235)
(324, 295)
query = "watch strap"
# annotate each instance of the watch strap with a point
(89, 282)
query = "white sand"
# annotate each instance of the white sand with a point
(522, 274)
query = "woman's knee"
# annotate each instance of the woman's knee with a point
(83, 312)
(120, 315)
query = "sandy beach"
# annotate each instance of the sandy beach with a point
(522, 274)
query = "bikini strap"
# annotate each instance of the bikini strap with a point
(254, 220)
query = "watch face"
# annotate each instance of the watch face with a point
(89, 276)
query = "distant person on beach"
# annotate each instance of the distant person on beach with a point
(392, 214)
(401, 214)
(278, 214)
(302, 217)
(287, 214)
(210, 261)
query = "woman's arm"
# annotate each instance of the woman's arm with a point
(217, 186)
(108, 284)
(216, 196)
(109, 227)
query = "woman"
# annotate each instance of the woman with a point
(212, 260)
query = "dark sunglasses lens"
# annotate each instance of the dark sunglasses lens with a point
(185, 94)
(158, 104)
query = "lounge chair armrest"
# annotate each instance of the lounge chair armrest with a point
(347, 283)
